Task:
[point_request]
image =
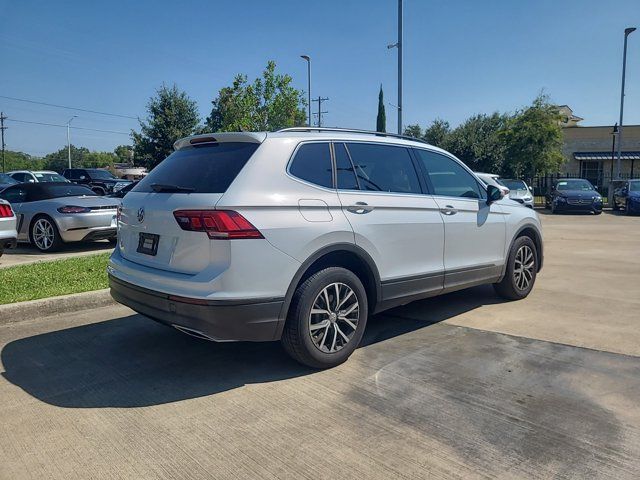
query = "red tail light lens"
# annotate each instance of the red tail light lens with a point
(218, 224)
(73, 209)
(5, 211)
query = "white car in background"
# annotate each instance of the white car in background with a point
(8, 234)
(29, 176)
(515, 189)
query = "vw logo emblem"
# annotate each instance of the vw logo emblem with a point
(141, 214)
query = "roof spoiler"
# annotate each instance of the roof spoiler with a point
(220, 137)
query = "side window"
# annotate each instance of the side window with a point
(72, 174)
(19, 177)
(447, 177)
(14, 195)
(384, 168)
(312, 163)
(345, 174)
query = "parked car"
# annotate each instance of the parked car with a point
(102, 182)
(493, 179)
(574, 195)
(300, 234)
(6, 180)
(627, 197)
(50, 214)
(518, 191)
(8, 234)
(28, 176)
(124, 190)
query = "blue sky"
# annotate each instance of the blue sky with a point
(461, 57)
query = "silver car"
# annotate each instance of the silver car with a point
(519, 191)
(7, 227)
(50, 214)
(29, 176)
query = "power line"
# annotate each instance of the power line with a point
(68, 108)
(64, 126)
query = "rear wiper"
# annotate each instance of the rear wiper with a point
(161, 187)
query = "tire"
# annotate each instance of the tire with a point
(44, 234)
(98, 191)
(509, 287)
(615, 206)
(113, 240)
(1, 251)
(553, 209)
(627, 210)
(325, 347)
(597, 212)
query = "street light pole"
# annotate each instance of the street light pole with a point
(627, 32)
(400, 67)
(308, 59)
(69, 140)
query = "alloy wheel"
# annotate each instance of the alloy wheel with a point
(43, 234)
(523, 268)
(334, 317)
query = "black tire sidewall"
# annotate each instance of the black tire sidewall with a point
(507, 286)
(316, 283)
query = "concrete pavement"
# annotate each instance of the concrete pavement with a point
(461, 386)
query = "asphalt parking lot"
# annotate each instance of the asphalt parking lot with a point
(460, 386)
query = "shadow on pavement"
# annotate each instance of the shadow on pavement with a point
(133, 362)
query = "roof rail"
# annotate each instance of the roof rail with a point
(351, 130)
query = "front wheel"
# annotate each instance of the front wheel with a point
(327, 318)
(522, 268)
(44, 235)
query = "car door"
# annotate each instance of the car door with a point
(393, 217)
(474, 239)
(16, 195)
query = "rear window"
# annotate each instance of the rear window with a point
(313, 164)
(204, 169)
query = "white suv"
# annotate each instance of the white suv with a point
(300, 234)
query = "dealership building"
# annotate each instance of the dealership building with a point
(592, 152)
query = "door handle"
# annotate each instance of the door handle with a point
(448, 210)
(359, 208)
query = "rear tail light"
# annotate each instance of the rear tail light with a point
(218, 224)
(5, 211)
(73, 209)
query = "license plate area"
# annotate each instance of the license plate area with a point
(148, 243)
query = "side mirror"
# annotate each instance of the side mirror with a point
(493, 194)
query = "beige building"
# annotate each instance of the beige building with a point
(590, 151)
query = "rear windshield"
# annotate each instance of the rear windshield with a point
(49, 177)
(202, 169)
(514, 184)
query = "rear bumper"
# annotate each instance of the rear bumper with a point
(255, 320)
(89, 234)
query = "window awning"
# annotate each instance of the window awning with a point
(606, 156)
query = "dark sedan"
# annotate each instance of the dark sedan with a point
(574, 195)
(6, 180)
(627, 197)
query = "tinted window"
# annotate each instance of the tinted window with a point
(384, 168)
(101, 174)
(313, 164)
(206, 169)
(45, 191)
(345, 174)
(20, 177)
(72, 173)
(6, 179)
(14, 195)
(49, 177)
(448, 177)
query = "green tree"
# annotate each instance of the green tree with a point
(171, 115)
(478, 142)
(21, 161)
(414, 131)
(81, 157)
(124, 153)
(533, 140)
(381, 119)
(437, 133)
(269, 103)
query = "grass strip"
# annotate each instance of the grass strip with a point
(50, 279)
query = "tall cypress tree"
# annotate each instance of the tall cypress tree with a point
(381, 120)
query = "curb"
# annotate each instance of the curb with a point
(47, 307)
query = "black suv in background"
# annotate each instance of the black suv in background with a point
(102, 182)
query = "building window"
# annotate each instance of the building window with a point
(592, 171)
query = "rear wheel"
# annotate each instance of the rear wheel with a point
(44, 234)
(627, 208)
(522, 268)
(327, 318)
(614, 205)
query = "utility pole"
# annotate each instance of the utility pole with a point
(320, 111)
(627, 32)
(2, 129)
(69, 139)
(398, 45)
(308, 59)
